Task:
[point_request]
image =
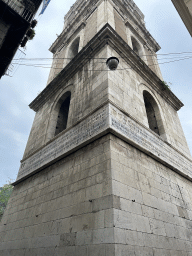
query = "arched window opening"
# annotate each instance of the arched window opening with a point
(74, 49)
(136, 47)
(153, 114)
(63, 113)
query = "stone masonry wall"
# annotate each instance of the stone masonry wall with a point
(91, 28)
(104, 12)
(126, 88)
(155, 218)
(63, 210)
(91, 86)
(88, 90)
(120, 26)
(106, 199)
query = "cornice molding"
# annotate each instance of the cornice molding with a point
(107, 35)
(65, 37)
(106, 122)
(139, 24)
(92, 112)
(71, 27)
(128, 8)
(148, 39)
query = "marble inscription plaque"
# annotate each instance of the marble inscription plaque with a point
(82, 132)
(107, 117)
(148, 141)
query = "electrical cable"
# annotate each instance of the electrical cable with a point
(51, 65)
(21, 53)
(40, 65)
(179, 53)
(20, 59)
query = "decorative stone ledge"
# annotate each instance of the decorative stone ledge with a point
(107, 35)
(107, 119)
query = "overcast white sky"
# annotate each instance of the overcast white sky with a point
(163, 22)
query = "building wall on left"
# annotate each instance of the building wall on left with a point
(3, 31)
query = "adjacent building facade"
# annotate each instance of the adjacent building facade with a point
(15, 19)
(184, 8)
(106, 170)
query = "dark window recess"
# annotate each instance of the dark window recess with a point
(63, 116)
(74, 49)
(151, 116)
(136, 47)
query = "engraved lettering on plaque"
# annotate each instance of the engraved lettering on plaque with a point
(72, 138)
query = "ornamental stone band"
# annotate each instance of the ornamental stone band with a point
(107, 119)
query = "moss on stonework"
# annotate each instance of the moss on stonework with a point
(165, 85)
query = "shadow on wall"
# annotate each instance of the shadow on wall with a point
(63, 113)
(153, 114)
(136, 47)
(74, 49)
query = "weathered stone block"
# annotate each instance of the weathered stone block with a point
(96, 250)
(68, 239)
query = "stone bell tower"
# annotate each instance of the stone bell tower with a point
(106, 170)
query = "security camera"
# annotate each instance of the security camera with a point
(112, 63)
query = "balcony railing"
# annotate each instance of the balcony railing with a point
(25, 8)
